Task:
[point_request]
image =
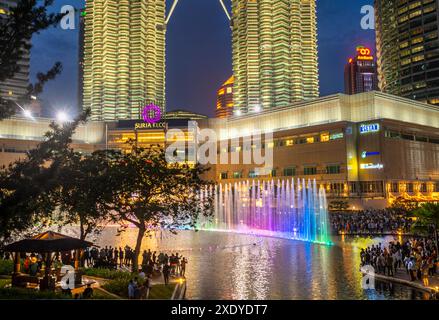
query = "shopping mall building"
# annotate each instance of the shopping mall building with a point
(369, 148)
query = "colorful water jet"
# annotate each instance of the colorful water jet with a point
(283, 209)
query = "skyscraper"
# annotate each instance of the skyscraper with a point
(360, 73)
(408, 48)
(124, 57)
(224, 100)
(16, 86)
(81, 58)
(274, 53)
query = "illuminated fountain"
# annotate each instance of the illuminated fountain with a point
(284, 209)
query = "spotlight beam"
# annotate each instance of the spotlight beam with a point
(174, 4)
(225, 9)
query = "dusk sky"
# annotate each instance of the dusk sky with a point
(199, 52)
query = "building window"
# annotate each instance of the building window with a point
(289, 142)
(423, 188)
(252, 174)
(371, 187)
(324, 137)
(223, 176)
(237, 175)
(436, 187)
(273, 173)
(333, 169)
(335, 136)
(308, 171)
(410, 187)
(394, 187)
(310, 140)
(289, 172)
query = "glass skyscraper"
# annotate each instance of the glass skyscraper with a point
(274, 53)
(124, 57)
(408, 48)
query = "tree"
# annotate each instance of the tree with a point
(27, 185)
(152, 193)
(427, 220)
(84, 192)
(16, 30)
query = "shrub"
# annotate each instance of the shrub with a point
(30, 294)
(107, 273)
(118, 287)
(6, 267)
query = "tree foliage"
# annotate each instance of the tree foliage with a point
(27, 185)
(17, 27)
(153, 193)
(427, 220)
(85, 191)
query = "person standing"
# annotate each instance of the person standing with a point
(148, 285)
(131, 289)
(120, 257)
(166, 271)
(183, 267)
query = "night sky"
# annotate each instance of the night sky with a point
(199, 52)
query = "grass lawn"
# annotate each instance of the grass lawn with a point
(99, 294)
(160, 291)
(4, 282)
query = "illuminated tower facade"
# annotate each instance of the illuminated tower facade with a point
(15, 87)
(360, 73)
(408, 48)
(124, 57)
(224, 100)
(274, 53)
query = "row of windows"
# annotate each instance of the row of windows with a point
(287, 172)
(288, 142)
(411, 187)
(411, 137)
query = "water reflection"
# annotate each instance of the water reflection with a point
(236, 266)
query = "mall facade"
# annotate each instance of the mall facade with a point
(369, 149)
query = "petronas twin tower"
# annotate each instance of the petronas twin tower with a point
(274, 55)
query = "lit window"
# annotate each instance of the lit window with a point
(310, 140)
(324, 137)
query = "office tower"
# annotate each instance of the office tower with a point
(124, 57)
(81, 58)
(224, 100)
(360, 73)
(15, 87)
(408, 48)
(274, 53)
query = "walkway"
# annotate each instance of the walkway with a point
(402, 277)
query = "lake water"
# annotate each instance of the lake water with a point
(237, 266)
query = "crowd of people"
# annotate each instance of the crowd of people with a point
(365, 222)
(417, 256)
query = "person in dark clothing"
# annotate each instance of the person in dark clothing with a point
(88, 292)
(166, 272)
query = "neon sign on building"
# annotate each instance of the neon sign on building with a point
(151, 114)
(364, 53)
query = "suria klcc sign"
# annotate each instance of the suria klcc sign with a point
(152, 116)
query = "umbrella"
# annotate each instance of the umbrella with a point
(48, 242)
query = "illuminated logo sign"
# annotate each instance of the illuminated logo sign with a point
(151, 114)
(364, 53)
(368, 128)
(146, 125)
(370, 166)
(366, 154)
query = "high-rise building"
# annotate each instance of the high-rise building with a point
(15, 87)
(124, 57)
(360, 73)
(274, 53)
(81, 58)
(224, 100)
(408, 48)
